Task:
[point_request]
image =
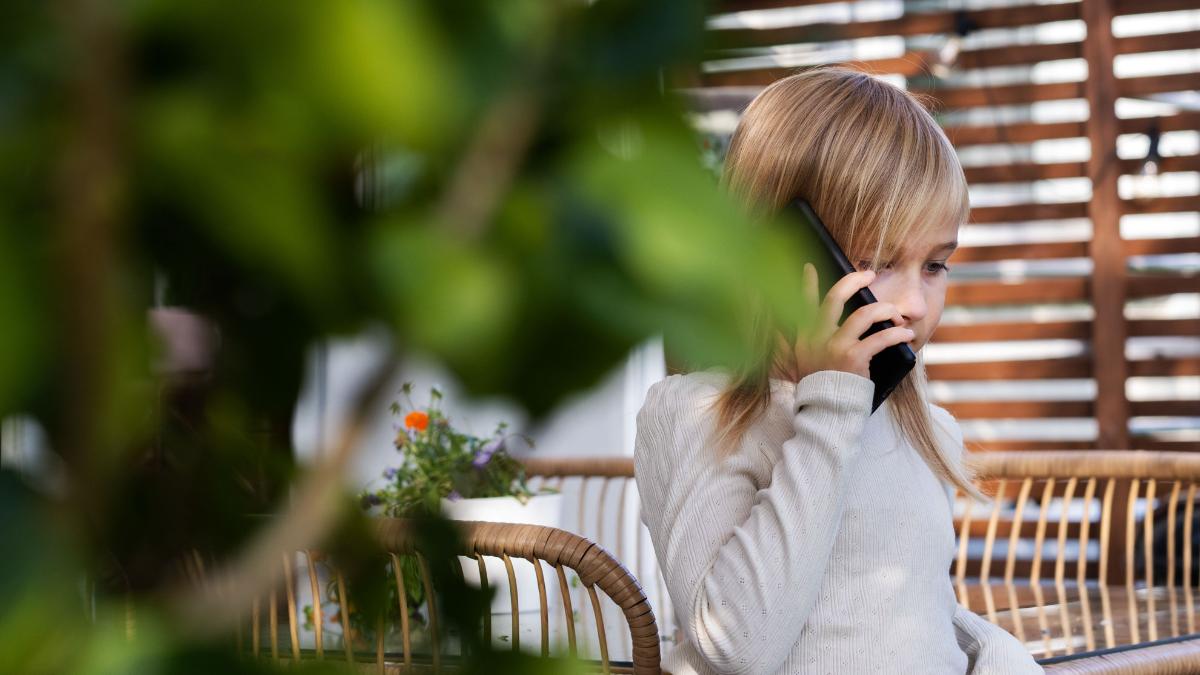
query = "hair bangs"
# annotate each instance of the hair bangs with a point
(926, 191)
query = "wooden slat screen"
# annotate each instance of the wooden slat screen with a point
(1073, 318)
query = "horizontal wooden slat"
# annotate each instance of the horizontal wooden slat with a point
(1157, 84)
(913, 64)
(1165, 165)
(1017, 55)
(1014, 213)
(1050, 330)
(979, 526)
(1178, 122)
(1158, 327)
(1075, 366)
(1164, 408)
(1145, 286)
(1027, 132)
(1020, 409)
(708, 99)
(1122, 465)
(1167, 446)
(727, 6)
(1022, 568)
(1034, 290)
(760, 77)
(1161, 246)
(607, 467)
(1076, 289)
(1023, 172)
(1165, 367)
(1021, 212)
(704, 99)
(909, 24)
(1008, 94)
(1024, 132)
(1031, 446)
(909, 65)
(1012, 488)
(1161, 205)
(1036, 251)
(1031, 171)
(1125, 7)
(1162, 42)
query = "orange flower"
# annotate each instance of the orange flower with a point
(416, 420)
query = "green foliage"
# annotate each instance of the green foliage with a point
(504, 186)
(440, 462)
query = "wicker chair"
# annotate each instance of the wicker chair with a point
(601, 503)
(561, 553)
(1088, 572)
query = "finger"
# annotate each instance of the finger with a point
(862, 319)
(835, 299)
(811, 289)
(873, 344)
(812, 299)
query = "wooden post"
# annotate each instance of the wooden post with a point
(1108, 276)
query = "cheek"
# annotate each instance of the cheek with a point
(883, 288)
(935, 299)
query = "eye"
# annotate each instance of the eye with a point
(866, 265)
(937, 267)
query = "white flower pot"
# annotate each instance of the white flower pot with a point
(544, 509)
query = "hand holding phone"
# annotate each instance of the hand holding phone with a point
(853, 332)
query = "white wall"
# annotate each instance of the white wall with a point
(599, 421)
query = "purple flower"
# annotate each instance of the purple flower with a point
(484, 454)
(454, 496)
(370, 499)
(390, 473)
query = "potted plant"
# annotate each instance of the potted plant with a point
(464, 477)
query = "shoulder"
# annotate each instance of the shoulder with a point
(947, 428)
(676, 418)
(678, 397)
(942, 417)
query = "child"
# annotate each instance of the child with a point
(798, 532)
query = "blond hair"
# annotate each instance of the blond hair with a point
(878, 169)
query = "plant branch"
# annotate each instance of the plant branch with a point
(313, 510)
(490, 163)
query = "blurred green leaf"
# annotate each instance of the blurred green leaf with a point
(283, 170)
(450, 297)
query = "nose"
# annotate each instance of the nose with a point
(910, 301)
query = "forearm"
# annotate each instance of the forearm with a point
(746, 607)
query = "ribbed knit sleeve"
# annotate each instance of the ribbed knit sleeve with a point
(744, 558)
(990, 649)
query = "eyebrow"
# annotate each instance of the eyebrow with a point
(948, 246)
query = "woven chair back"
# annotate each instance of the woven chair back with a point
(573, 577)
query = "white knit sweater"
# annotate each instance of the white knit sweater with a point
(823, 545)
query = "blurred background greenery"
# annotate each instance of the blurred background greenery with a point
(509, 186)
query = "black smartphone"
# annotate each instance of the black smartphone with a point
(889, 366)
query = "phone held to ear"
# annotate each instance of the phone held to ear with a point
(889, 366)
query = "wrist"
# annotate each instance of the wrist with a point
(838, 389)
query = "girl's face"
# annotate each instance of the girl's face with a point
(914, 280)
